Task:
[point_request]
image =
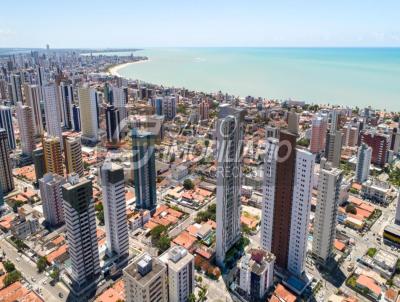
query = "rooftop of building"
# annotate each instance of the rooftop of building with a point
(132, 270)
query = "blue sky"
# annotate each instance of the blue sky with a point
(145, 23)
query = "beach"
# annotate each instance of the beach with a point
(114, 70)
(342, 76)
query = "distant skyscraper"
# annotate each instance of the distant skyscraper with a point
(287, 201)
(326, 212)
(112, 125)
(333, 147)
(363, 163)
(350, 135)
(51, 194)
(7, 124)
(73, 156)
(39, 163)
(335, 120)
(169, 107)
(81, 231)
(16, 88)
(33, 94)
(52, 113)
(180, 267)
(26, 129)
(146, 280)
(119, 100)
(318, 134)
(41, 76)
(293, 121)
(1, 198)
(203, 110)
(144, 165)
(157, 103)
(113, 187)
(229, 173)
(6, 177)
(88, 113)
(67, 100)
(53, 156)
(3, 89)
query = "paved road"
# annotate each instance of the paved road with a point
(28, 269)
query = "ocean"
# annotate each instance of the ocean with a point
(342, 76)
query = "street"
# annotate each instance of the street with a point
(29, 272)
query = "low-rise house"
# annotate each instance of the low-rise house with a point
(281, 294)
(24, 226)
(377, 191)
(369, 286)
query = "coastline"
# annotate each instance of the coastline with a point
(114, 70)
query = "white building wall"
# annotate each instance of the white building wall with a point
(269, 193)
(300, 216)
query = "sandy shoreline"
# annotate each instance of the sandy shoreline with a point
(115, 69)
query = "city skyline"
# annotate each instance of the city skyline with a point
(263, 23)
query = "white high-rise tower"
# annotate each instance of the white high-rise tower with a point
(229, 146)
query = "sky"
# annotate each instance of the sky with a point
(192, 23)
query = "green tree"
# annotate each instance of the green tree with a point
(41, 264)
(55, 273)
(350, 208)
(12, 277)
(157, 232)
(98, 207)
(20, 244)
(206, 143)
(163, 243)
(188, 184)
(9, 266)
(371, 252)
(192, 297)
(100, 217)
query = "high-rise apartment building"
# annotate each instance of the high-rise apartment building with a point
(52, 111)
(230, 131)
(333, 147)
(16, 88)
(144, 166)
(76, 118)
(73, 156)
(81, 232)
(180, 267)
(112, 125)
(52, 155)
(67, 100)
(287, 201)
(364, 156)
(255, 274)
(397, 216)
(33, 95)
(350, 135)
(52, 201)
(146, 280)
(203, 110)
(169, 107)
(325, 220)
(39, 163)
(88, 103)
(120, 100)
(26, 129)
(318, 134)
(6, 177)
(114, 203)
(7, 124)
(379, 143)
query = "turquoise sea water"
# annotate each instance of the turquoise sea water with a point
(344, 76)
